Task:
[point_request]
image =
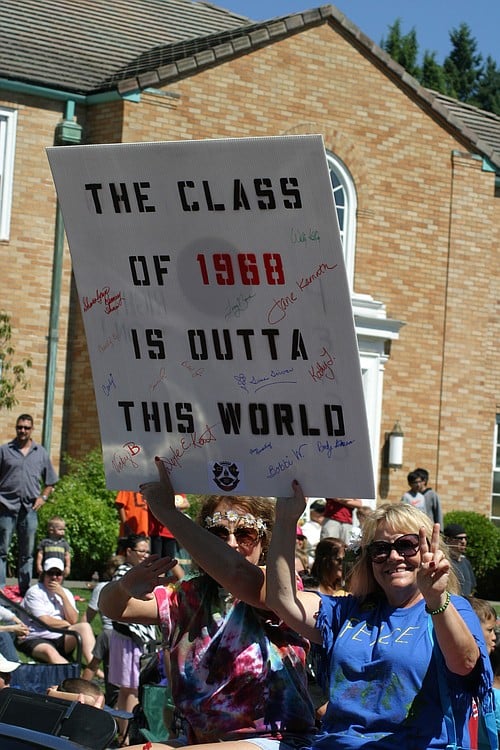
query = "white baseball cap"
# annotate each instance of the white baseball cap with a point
(6, 665)
(53, 562)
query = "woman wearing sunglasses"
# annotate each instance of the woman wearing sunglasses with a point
(238, 673)
(377, 658)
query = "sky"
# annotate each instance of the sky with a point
(432, 19)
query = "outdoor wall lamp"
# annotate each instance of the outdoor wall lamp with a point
(396, 441)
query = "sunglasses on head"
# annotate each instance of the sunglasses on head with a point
(406, 546)
(243, 536)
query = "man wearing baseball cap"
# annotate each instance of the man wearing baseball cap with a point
(6, 669)
(54, 605)
(455, 537)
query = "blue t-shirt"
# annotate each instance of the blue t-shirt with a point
(382, 679)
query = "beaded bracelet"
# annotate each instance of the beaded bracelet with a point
(440, 609)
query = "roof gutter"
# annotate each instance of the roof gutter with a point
(48, 93)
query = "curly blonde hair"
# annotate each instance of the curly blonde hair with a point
(400, 518)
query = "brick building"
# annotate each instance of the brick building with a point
(415, 178)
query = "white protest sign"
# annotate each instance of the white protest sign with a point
(217, 313)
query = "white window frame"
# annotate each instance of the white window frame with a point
(373, 328)
(495, 494)
(8, 124)
(349, 208)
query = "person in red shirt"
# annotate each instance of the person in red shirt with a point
(338, 517)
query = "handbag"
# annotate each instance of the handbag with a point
(488, 737)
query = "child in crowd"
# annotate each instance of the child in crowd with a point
(495, 663)
(488, 618)
(100, 652)
(54, 545)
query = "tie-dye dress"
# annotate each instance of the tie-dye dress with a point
(236, 671)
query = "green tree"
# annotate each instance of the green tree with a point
(463, 66)
(432, 74)
(488, 92)
(12, 376)
(402, 47)
(81, 498)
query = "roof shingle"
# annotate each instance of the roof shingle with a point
(84, 47)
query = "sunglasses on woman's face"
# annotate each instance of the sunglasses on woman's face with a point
(406, 546)
(244, 537)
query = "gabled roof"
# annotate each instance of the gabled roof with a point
(76, 44)
(87, 47)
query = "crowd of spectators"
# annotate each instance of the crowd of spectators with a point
(234, 629)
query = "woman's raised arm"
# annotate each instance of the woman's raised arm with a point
(223, 563)
(296, 608)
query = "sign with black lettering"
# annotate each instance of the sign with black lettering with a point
(217, 314)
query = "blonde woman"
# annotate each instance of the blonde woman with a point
(378, 660)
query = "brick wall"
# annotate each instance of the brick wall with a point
(427, 236)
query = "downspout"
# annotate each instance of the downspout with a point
(67, 133)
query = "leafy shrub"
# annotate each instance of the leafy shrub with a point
(81, 498)
(195, 503)
(483, 540)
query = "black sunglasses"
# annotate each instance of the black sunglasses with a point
(54, 573)
(406, 546)
(243, 536)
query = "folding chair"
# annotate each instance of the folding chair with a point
(38, 676)
(87, 726)
(19, 738)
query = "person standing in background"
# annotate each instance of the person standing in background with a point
(54, 545)
(414, 495)
(432, 502)
(338, 517)
(163, 542)
(455, 537)
(25, 467)
(133, 513)
(312, 528)
(128, 641)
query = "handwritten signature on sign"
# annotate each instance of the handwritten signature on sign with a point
(109, 385)
(162, 375)
(177, 452)
(196, 372)
(237, 306)
(257, 382)
(299, 453)
(111, 302)
(298, 235)
(278, 310)
(124, 459)
(110, 341)
(323, 367)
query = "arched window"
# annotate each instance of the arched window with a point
(344, 196)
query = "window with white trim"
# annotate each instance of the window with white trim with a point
(344, 196)
(8, 121)
(495, 493)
